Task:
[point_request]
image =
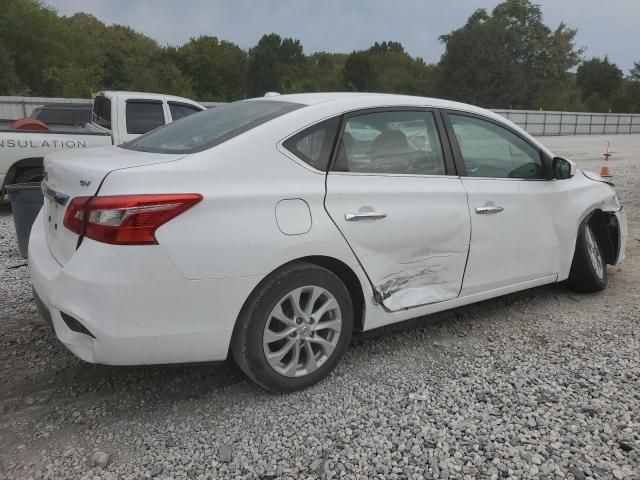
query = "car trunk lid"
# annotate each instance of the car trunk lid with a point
(79, 174)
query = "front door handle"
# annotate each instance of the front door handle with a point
(354, 217)
(489, 209)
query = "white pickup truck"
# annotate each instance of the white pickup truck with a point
(117, 117)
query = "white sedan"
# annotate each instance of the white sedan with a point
(270, 229)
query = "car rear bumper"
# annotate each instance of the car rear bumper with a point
(137, 307)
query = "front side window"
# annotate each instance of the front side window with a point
(489, 150)
(391, 142)
(142, 117)
(211, 127)
(314, 144)
(179, 110)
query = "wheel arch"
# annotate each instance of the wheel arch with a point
(343, 271)
(605, 227)
(22, 164)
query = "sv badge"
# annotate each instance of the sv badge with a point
(85, 183)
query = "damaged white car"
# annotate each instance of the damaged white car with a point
(270, 229)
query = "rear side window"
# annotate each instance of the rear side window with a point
(391, 142)
(211, 127)
(179, 110)
(102, 112)
(142, 117)
(56, 115)
(314, 144)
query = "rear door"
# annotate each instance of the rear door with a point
(511, 204)
(393, 195)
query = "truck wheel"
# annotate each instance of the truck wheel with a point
(589, 269)
(30, 175)
(294, 328)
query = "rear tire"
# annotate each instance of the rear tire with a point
(314, 334)
(588, 272)
(29, 175)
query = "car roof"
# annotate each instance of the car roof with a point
(341, 102)
(372, 100)
(375, 98)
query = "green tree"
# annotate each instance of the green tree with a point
(34, 40)
(274, 64)
(9, 82)
(627, 98)
(508, 58)
(217, 68)
(598, 80)
(324, 73)
(634, 73)
(565, 96)
(359, 73)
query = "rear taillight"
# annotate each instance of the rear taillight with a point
(74, 216)
(125, 219)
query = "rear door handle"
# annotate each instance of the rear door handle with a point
(354, 217)
(489, 209)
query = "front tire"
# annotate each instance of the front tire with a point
(589, 269)
(294, 328)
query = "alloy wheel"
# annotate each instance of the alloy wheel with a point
(302, 331)
(594, 252)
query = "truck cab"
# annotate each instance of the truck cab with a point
(116, 118)
(127, 115)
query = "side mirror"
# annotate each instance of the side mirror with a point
(563, 168)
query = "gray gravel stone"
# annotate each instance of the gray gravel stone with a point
(99, 459)
(226, 453)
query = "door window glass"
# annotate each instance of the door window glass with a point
(142, 117)
(313, 145)
(179, 110)
(400, 142)
(489, 150)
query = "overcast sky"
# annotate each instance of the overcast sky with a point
(604, 27)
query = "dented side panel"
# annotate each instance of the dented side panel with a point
(416, 254)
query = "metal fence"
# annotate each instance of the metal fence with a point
(572, 123)
(12, 108)
(535, 122)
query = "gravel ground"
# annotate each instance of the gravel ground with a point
(540, 384)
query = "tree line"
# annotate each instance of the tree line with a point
(505, 58)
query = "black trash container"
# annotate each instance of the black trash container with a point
(26, 201)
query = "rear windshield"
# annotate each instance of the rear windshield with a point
(211, 127)
(102, 112)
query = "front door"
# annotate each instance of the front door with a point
(404, 217)
(511, 205)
